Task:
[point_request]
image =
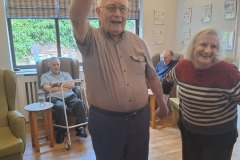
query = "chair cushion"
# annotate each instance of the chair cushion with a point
(9, 143)
(174, 102)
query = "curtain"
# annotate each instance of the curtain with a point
(54, 9)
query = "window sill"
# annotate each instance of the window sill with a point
(34, 71)
(26, 72)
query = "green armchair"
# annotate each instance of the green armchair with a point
(12, 122)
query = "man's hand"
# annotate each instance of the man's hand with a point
(162, 112)
(54, 84)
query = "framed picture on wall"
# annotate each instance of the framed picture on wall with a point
(159, 16)
(230, 7)
(158, 36)
(206, 13)
(186, 34)
(228, 38)
(187, 15)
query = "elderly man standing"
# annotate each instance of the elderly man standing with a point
(116, 65)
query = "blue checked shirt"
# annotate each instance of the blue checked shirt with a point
(49, 77)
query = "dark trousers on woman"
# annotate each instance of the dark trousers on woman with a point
(74, 105)
(207, 147)
(119, 136)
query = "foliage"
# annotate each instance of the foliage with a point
(66, 34)
(130, 25)
(31, 32)
(94, 23)
(27, 32)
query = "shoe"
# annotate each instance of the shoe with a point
(81, 133)
(59, 137)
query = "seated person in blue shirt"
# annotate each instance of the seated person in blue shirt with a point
(165, 64)
(50, 80)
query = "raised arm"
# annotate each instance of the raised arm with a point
(78, 14)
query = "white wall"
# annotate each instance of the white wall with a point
(217, 19)
(174, 25)
(5, 60)
(147, 24)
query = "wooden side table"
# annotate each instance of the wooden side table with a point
(47, 117)
(174, 103)
(173, 106)
(152, 108)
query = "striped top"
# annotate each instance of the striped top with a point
(208, 98)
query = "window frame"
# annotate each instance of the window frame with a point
(58, 42)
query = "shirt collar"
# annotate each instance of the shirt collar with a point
(107, 34)
(55, 74)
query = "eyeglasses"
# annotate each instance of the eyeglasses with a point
(113, 8)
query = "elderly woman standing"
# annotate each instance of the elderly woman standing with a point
(209, 93)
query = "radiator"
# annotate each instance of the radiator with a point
(27, 89)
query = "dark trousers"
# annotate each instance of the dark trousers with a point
(207, 147)
(74, 105)
(119, 136)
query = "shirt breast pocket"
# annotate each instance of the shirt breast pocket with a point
(138, 63)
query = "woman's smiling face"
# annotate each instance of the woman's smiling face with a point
(205, 50)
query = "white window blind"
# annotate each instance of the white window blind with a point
(54, 9)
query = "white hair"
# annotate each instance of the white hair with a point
(53, 59)
(188, 51)
(99, 3)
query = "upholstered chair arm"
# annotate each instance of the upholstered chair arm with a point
(79, 91)
(17, 123)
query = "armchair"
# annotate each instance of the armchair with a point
(12, 122)
(156, 59)
(70, 65)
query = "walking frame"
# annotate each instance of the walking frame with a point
(83, 96)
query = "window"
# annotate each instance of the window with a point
(37, 31)
(34, 39)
